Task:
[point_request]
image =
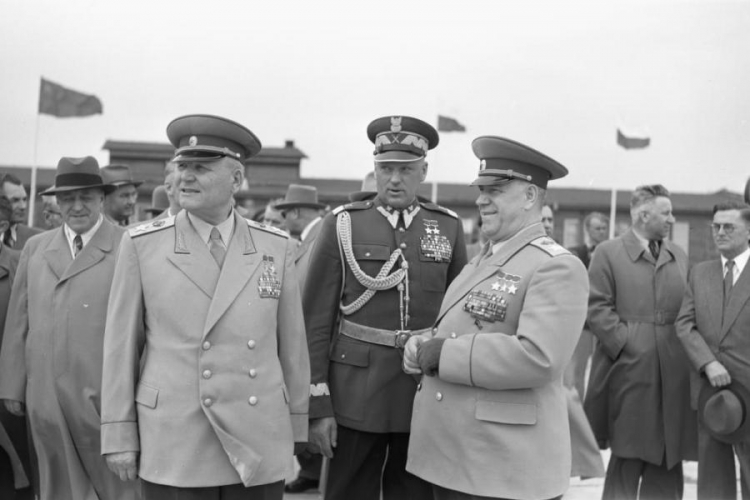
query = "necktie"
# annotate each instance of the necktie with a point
(8, 239)
(728, 280)
(653, 246)
(215, 246)
(78, 243)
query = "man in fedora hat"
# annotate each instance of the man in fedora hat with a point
(119, 205)
(714, 327)
(205, 390)
(377, 274)
(491, 398)
(51, 357)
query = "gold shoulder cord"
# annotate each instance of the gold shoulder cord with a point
(383, 281)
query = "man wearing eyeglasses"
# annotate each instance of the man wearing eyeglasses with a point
(639, 379)
(714, 327)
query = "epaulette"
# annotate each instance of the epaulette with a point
(356, 205)
(437, 208)
(269, 229)
(151, 226)
(550, 246)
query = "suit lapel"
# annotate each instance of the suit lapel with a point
(471, 276)
(192, 257)
(94, 251)
(57, 254)
(239, 266)
(714, 295)
(737, 299)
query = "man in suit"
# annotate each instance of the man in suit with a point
(490, 416)
(638, 396)
(18, 233)
(377, 275)
(206, 372)
(714, 327)
(302, 215)
(51, 358)
(119, 205)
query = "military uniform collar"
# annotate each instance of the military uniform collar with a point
(391, 214)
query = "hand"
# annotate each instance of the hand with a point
(14, 407)
(410, 365)
(428, 356)
(324, 435)
(717, 375)
(123, 464)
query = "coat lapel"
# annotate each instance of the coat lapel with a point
(715, 292)
(192, 257)
(239, 265)
(737, 299)
(57, 253)
(94, 251)
(475, 275)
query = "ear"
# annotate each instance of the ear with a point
(531, 193)
(423, 175)
(237, 179)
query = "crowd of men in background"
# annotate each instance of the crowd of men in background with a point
(437, 368)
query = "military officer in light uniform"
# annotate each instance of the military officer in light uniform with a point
(490, 416)
(206, 370)
(399, 256)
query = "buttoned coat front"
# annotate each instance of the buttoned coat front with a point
(494, 422)
(638, 397)
(206, 371)
(52, 360)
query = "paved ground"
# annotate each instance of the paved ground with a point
(591, 489)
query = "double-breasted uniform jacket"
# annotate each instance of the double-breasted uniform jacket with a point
(51, 360)
(206, 371)
(700, 328)
(368, 389)
(638, 398)
(494, 422)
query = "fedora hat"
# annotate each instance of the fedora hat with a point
(299, 195)
(78, 173)
(159, 200)
(723, 411)
(118, 175)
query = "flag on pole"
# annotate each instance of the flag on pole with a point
(632, 139)
(62, 102)
(446, 124)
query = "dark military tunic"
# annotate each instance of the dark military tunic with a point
(368, 389)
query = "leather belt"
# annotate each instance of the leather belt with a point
(390, 338)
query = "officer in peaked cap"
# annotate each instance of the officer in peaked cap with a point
(493, 362)
(234, 414)
(399, 256)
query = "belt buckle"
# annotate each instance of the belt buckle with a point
(402, 337)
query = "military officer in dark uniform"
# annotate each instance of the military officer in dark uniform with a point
(399, 256)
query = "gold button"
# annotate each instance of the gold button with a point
(453, 335)
(439, 396)
(206, 345)
(206, 373)
(367, 254)
(434, 331)
(402, 229)
(253, 373)
(208, 402)
(251, 344)
(402, 246)
(343, 356)
(253, 401)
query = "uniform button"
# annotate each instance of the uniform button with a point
(253, 373)
(419, 386)
(434, 331)
(206, 345)
(251, 344)
(207, 374)
(343, 356)
(367, 254)
(453, 335)
(253, 401)
(402, 229)
(439, 396)
(402, 246)
(208, 402)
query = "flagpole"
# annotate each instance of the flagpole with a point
(32, 186)
(612, 213)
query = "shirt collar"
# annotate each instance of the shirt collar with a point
(308, 228)
(85, 237)
(739, 262)
(203, 228)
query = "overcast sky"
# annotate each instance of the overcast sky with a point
(557, 75)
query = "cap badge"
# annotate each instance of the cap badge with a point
(193, 140)
(482, 165)
(395, 124)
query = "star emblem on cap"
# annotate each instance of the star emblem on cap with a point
(193, 140)
(395, 124)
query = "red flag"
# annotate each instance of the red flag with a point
(633, 140)
(59, 101)
(446, 124)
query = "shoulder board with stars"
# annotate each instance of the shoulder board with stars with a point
(151, 227)
(268, 229)
(550, 246)
(357, 205)
(437, 208)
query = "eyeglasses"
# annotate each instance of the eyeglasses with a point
(728, 228)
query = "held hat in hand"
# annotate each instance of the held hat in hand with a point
(299, 195)
(401, 138)
(724, 411)
(78, 173)
(504, 160)
(207, 138)
(118, 175)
